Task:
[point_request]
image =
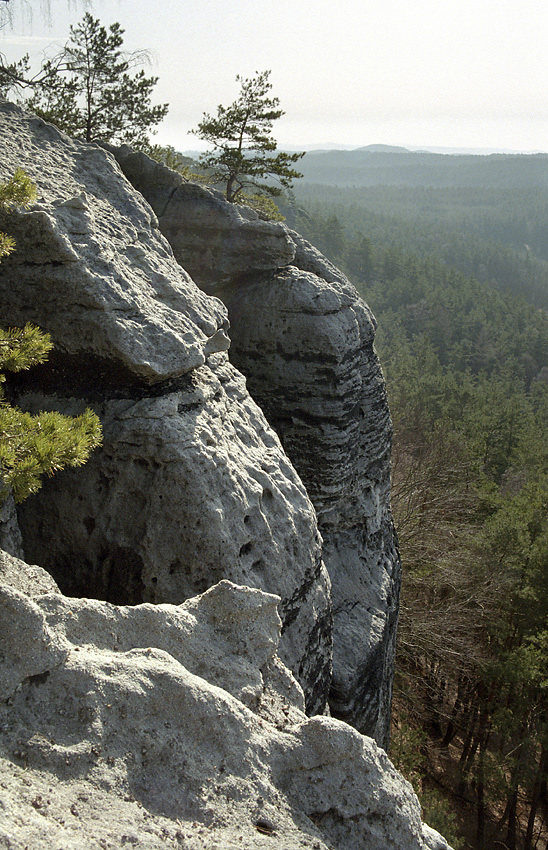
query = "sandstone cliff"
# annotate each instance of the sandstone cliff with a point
(145, 715)
(304, 340)
(191, 485)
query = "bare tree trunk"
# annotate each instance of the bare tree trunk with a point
(468, 752)
(483, 739)
(458, 708)
(480, 797)
(512, 809)
(540, 780)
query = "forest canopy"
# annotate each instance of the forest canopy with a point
(457, 278)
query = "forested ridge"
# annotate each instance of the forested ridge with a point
(458, 281)
(400, 167)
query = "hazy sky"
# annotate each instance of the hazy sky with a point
(464, 73)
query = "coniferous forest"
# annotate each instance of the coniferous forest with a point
(457, 278)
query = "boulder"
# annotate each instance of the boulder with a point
(177, 726)
(191, 485)
(92, 268)
(29, 579)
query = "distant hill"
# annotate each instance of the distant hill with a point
(384, 149)
(392, 166)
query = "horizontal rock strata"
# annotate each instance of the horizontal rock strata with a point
(306, 346)
(304, 340)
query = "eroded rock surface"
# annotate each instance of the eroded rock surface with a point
(191, 485)
(304, 339)
(10, 533)
(216, 242)
(306, 346)
(177, 726)
(92, 267)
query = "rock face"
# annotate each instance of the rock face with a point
(323, 392)
(176, 726)
(90, 255)
(10, 533)
(214, 241)
(304, 340)
(171, 709)
(191, 485)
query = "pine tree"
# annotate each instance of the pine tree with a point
(243, 145)
(31, 446)
(89, 90)
(359, 259)
(19, 191)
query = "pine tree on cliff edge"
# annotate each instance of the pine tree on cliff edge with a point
(243, 146)
(90, 90)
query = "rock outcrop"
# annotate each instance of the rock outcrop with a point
(159, 668)
(323, 392)
(89, 254)
(214, 241)
(176, 726)
(304, 340)
(191, 485)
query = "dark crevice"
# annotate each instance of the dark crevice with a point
(161, 213)
(92, 378)
(290, 607)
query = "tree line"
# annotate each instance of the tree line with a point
(496, 235)
(92, 90)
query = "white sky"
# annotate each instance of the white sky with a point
(455, 73)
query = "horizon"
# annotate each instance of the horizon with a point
(462, 77)
(328, 147)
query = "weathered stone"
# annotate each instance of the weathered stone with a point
(304, 340)
(136, 734)
(28, 650)
(157, 724)
(229, 635)
(191, 485)
(306, 347)
(189, 488)
(214, 241)
(29, 579)
(92, 267)
(10, 533)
